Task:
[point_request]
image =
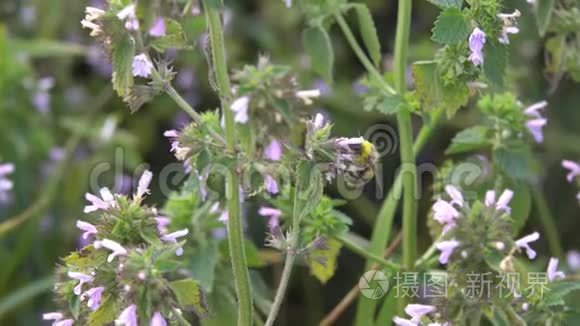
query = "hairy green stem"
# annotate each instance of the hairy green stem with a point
(547, 220)
(290, 257)
(406, 141)
(363, 252)
(235, 228)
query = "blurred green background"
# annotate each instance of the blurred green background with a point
(60, 122)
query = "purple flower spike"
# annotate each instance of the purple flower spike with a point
(158, 29)
(446, 248)
(128, 317)
(524, 243)
(476, 42)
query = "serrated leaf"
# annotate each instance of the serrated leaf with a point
(107, 312)
(443, 4)
(322, 263)
(468, 140)
(560, 289)
(384, 104)
(495, 62)
(431, 92)
(368, 32)
(189, 293)
(174, 37)
(451, 27)
(319, 48)
(123, 52)
(543, 15)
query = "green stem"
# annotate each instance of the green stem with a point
(406, 141)
(363, 252)
(235, 228)
(547, 220)
(290, 257)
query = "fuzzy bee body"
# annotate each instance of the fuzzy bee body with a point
(363, 167)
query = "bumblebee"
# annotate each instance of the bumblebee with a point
(363, 168)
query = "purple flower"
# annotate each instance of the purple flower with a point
(456, 196)
(271, 185)
(107, 201)
(416, 311)
(273, 215)
(158, 29)
(158, 320)
(128, 317)
(535, 128)
(572, 167)
(94, 295)
(240, 108)
(172, 237)
(573, 260)
(508, 20)
(141, 66)
(56, 316)
(288, 3)
(552, 271)
(128, 15)
(319, 121)
(41, 98)
(82, 278)
(65, 322)
(115, 247)
(273, 151)
(143, 185)
(87, 227)
(524, 243)
(162, 223)
(476, 42)
(503, 201)
(446, 248)
(445, 213)
(5, 184)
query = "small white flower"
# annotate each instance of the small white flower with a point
(87, 227)
(446, 248)
(553, 272)
(115, 247)
(141, 67)
(107, 201)
(143, 185)
(524, 243)
(240, 108)
(82, 278)
(307, 95)
(172, 237)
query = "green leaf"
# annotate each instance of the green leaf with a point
(123, 52)
(451, 27)
(107, 312)
(174, 37)
(543, 15)
(203, 265)
(384, 104)
(559, 290)
(189, 293)
(322, 263)
(433, 94)
(443, 4)
(495, 62)
(319, 48)
(368, 32)
(468, 140)
(517, 163)
(521, 205)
